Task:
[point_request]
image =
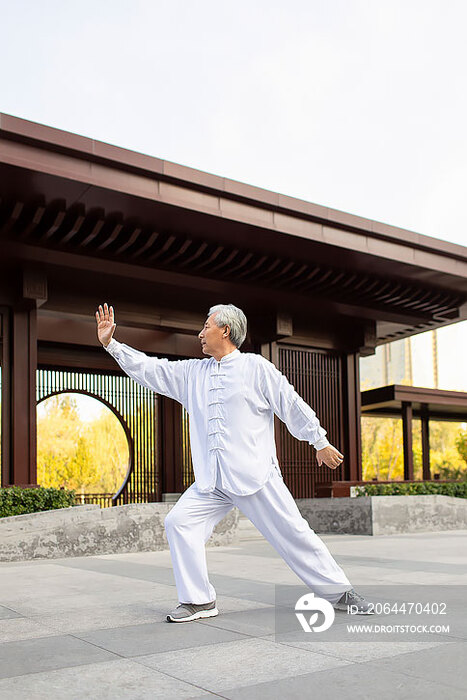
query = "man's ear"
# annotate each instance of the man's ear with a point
(227, 331)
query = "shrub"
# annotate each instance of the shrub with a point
(17, 501)
(456, 489)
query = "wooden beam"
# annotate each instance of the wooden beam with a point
(270, 297)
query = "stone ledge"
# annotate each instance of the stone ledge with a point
(384, 515)
(89, 530)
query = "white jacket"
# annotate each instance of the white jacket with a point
(231, 405)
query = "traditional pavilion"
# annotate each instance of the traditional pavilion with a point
(83, 222)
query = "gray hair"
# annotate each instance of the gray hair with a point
(230, 315)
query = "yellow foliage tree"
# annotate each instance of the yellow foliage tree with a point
(382, 449)
(90, 457)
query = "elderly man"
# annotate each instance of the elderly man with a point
(231, 398)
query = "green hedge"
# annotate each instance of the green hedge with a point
(16, 501)
(457, 489)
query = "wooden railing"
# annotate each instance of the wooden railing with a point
(104, 500)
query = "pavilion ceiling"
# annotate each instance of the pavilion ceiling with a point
(93, 232)
(67, 201)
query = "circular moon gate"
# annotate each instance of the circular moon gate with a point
(136, 409)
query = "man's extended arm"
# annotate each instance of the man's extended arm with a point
(163, 376)
(298, 416)
(289, 406)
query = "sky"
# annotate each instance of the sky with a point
(359, 105)
(89, 409)
(353, 104)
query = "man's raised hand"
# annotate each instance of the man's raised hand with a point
(330, 456)
(105, 324)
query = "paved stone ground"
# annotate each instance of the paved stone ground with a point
(95, 627)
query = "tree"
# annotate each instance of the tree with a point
(382, 449)
(90, 457)
(461, 444)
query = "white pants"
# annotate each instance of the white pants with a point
(274, 513)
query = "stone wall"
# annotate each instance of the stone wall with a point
(430, 513)
(339, 515)
(384, 515)
(90, 530)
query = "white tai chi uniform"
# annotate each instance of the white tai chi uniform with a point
(231, 404)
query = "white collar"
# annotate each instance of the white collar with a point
(227, 357)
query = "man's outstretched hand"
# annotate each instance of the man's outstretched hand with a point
(105, 324)
(330, 456)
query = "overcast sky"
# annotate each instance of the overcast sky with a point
(355, 104)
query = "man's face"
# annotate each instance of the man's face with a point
(211, 336)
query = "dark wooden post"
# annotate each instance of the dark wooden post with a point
(5, 361)
(425, 442)
(352, 421)
(170, 440)
(19, 364)
(407, 439)
(271, 353)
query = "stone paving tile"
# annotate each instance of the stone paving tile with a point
(128, 569)
(425, 546)
(251, 567)
(75, 590)
(78, 601)
(47, 653)
(8, 613)
(239, 587)
(108, 617)
(122, 679)
(118, 603)
(18, 628)
(225, 666)
(352, 682)
(246, 589)
(101, 617)
(263, 550)
(403, 564)
(422, 578)
(55, 575)
(257, 623)
(357, 573)
(444, 664)
(229, 604)
(230, 586)
(355, 651)
(138, 640)
(160, 558)
(27, 577)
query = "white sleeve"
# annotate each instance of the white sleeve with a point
(166, 377)
(299, 417)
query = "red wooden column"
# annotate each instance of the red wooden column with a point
(19, 364)
(5, 475)
(425, 442)
(407, 439)
(352, 412)
(170, 447)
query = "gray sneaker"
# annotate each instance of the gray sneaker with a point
(186, 612)
(353, 602)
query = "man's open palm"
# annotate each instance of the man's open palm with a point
(105, 324)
